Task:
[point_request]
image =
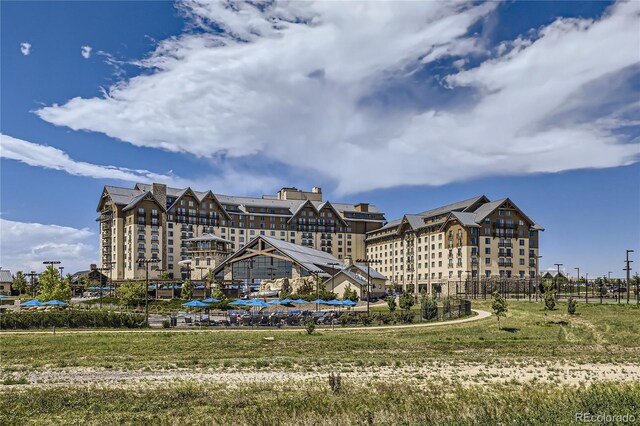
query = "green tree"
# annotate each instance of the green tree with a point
(406, 301)
(20, 283)
(350, 294)
(391, 302)
(499, 306)
(549, 298)
(571, 306)
(52, 286)
(217, 292)
(428, 306)
(187, 290)
(446, 306)
(131, 293)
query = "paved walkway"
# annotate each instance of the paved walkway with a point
(480, 314)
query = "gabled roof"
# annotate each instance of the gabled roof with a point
(307, 257)
(486, 209)
(5, 276)
(300, 207)
(374, 273)
(141, 197)
(460, 206)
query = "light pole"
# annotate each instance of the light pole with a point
(332, 264)
(104, 268)
(146, 263)
(368, 262)
(317, 273)
(558, 275)
(628, 269)
(578, 269)
(586, 287)
(31, 275)
(61, 268)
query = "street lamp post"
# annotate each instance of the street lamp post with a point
(31, 275)
(332, 264)
(578, 269)
(368, 263)
(628, 270)
(146, 263)
(317, 274)
(586, 288)
(558, 275)
(104, 268)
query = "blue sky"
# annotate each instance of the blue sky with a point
(405, 106)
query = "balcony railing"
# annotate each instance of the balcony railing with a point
(505, 244)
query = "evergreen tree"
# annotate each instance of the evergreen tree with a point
(20, 283)
(52, 286)
(499, 306)
(187, 290)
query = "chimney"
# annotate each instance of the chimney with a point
(316, 190)
(159, 191)
(93, 267)
(348, 261)
(362, 207)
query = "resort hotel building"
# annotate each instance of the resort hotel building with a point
(295, 234)
(177, 225)
(471, 240)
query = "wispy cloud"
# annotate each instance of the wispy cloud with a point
(25, 48)
(85, 51)
(24, 246)
(291, 82)
(48, 157)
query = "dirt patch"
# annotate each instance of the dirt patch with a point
(463, 373)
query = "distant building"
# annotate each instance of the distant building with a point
(358, 278)
(156, 221)
(471, 239)
(6, 280)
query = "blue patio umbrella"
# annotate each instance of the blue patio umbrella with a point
(241, 303)
(335, 303)
(300, 301)
(274, 301)
(3, 296)
(32, 303)
(195, 304)
(287, 300)
(259, 303)
(321, 301)
(211, 300)
(349, 303)
(55, 302)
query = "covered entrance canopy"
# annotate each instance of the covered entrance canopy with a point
(269, 258)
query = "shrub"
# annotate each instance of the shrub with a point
(366, 319)
(428, 307)
(70, 319)
(406, 317)
(406, 301)
(391, 302)
(335, 382)
(310, 325)
(571, 306)
(446, 306)
(166, 324)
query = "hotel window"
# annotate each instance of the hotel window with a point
(487, 231)
(521, 252)
(182, 202)
(521, 242)
(170, 225)
(487, 250)
(190, 203)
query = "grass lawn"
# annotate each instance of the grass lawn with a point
(284, 380)
(604, 333)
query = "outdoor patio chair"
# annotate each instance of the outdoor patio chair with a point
(188, 320)
(246, 320)
(233, 320)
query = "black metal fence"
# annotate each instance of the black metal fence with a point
(458, 308)
(531, 289)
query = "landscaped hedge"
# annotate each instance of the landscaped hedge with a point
(71, 319)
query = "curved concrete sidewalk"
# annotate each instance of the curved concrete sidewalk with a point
(480, 315)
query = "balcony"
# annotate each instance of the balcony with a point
(505, 225)
(505, 264)
(507, 254)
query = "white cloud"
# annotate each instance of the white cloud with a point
(24, 246)
(85, 51)
(25, 48)
(290, 83)
(49, 157)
